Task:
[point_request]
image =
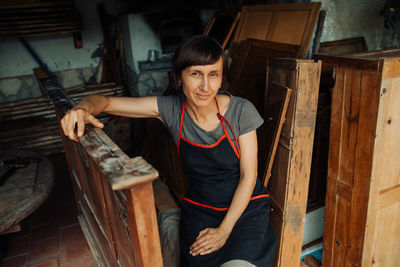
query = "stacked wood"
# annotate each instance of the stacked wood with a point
(49, 17)
(31, 124)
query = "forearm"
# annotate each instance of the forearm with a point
(134, 107)
(239, 203)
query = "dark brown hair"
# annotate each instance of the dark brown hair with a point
(198, 50)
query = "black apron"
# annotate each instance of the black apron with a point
(213, 173)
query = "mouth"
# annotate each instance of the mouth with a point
(202, 96)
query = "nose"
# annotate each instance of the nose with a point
(204, 84)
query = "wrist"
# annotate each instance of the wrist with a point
(82, 108)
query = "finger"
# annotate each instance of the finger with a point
(203, 248)
(70, 125)
(80, 128)
(202, 233)
(93, 120)
(208, 251)
(201, 244)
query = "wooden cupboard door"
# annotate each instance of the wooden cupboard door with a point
(283, 23)
(381, 244)
(352, 135)
(288, 185)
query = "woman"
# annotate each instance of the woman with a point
(225, 210)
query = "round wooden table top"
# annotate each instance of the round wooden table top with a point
(26, 189)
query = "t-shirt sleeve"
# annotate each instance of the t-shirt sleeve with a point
(250, 119)
(170, 108)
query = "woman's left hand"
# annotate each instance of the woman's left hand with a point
(208, 241)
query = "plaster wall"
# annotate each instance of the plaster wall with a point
(355, 18)
(74, 65)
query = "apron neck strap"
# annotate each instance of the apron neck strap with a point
(222, 119)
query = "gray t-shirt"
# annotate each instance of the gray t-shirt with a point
(241, 114)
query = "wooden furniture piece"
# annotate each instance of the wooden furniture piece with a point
(246, 74)
(363, 196)
(282, 23)
(26, 189)
(221, 25)
(345, 46)
(114, 194)
(288, 185)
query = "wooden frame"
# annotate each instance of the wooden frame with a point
(282, 23)
(214, 24)
(288, 185)
(276, 104)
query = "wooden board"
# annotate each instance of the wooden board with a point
(288, 185)
(39, 19)
(276, 104)
(248, 68)
(26, 189)
(283, 23)
(345, 46)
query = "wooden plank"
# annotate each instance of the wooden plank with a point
(119, 226)
(345, 46)
(143, 226)
(276, 104)
(282, 23)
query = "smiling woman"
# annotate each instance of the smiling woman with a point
(224, 214)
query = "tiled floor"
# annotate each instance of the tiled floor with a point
(51, 236)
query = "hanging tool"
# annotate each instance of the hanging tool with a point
(36, 57)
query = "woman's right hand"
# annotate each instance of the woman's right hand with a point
(78, 117)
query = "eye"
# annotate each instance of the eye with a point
(214, 75)
(195, 74)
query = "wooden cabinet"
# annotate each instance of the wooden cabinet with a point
(362, 226)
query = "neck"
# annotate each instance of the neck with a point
(200, 114)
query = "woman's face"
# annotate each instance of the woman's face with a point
(201, 83)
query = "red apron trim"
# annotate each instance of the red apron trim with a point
(204, 146)
(237, 151)
(220, 209)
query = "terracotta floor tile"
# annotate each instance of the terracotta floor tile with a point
(71, 233)
(84, 262)
(16, 247)
(43, 249)
(44, 231)
(68, 219)
(25, 229)
(20, 261)
(49, 262)
(74, 250)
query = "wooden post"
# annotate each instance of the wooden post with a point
(143, 226)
